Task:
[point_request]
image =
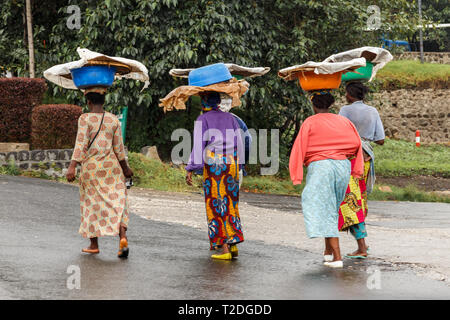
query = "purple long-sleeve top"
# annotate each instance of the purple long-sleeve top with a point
(219, 132)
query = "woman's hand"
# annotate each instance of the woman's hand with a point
(366, 156)
(189, 178)
(70, 175)
(128, 172)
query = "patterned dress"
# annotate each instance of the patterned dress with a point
(103, 195)
(221, 190)
(220, 167)
(353, 209)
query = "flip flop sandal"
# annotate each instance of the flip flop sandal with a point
(355, 257)
(91, 251)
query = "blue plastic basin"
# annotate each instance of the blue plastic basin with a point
(93, 76)
(208, 75)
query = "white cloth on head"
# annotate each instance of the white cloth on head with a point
(61, 75)
(291, 73)
(226, 102)
(378, 56)
(233, 68)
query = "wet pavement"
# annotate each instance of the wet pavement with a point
(39, 221)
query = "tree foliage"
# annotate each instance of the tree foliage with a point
(435, 12)
(164, 34)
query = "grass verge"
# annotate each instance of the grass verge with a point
(412, 74)
(149, 173)
(409, 193)
(401, 158)
(160, 176)
(390, 161)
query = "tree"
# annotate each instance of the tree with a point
(164, 34)
(30, 38)
(437, 11)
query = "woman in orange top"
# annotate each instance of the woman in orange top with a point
(324, 144)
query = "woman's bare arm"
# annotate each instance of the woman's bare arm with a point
(70, 175)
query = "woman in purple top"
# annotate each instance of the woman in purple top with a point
(216, 150)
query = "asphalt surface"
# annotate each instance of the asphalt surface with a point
(39, 221)
(406, 214)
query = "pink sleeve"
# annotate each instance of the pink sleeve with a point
(298, 154)
(358, 168)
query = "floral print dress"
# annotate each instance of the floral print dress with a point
(221, 190)
(103, 195)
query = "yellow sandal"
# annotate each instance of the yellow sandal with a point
(234, 251)
(223, 256)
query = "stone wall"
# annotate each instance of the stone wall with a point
(432, 57)
(404, 111)
(52, 162)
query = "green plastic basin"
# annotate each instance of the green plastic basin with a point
(364, 73)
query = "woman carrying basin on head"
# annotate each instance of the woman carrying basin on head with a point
(103, 195)
(324, 144)
(217, 151)
(220, 175)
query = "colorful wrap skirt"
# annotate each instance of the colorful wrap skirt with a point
(324, 191)
(221, 190)
(353, 209)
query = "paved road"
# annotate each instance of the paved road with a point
(38, 232)
(407, 214)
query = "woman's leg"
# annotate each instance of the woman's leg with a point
(334, 243)
(359, 233)
(123, 232)
(94, 243)
(93, 248)
(328, 248)
(225, 248)
(362, 247)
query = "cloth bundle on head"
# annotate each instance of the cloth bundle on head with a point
(176, 99)
(318, 93)
(231, 91)
(377, 56)
(235, 70)
(100, 90)
(225, 103)
(126, 68)
(292, 73)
